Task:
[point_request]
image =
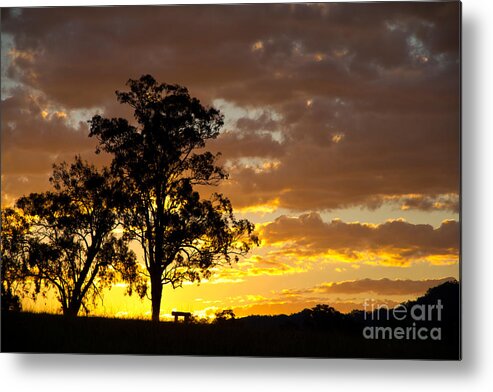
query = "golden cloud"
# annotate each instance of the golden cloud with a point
(395, 242)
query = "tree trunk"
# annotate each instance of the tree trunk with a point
(73, 309)
(156, 295)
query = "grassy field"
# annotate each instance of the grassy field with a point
(318, 332)
(27, 332)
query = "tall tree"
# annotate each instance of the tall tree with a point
(159, 163)
(72, 247)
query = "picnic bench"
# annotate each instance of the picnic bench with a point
(186, 316)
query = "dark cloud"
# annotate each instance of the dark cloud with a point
(233, 145)
(446, 202)
(361, 161)
(35, 135)
(366, 95)
(82, 54)
(28, 123)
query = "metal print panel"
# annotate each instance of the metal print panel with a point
(237, 180)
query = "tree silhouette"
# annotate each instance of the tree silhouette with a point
(13, 249)
(224, 315)
(159, 166)
(72, 245)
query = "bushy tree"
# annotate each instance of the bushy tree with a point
(224, 315)
(322, 316)
(14, 250)
(160, 161)
(72, 243)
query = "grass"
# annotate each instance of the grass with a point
(317, 332)
(30, 332)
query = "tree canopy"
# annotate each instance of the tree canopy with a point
(71, 242)
(14, 250)
(159, 160)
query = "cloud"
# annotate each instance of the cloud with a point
(394, 242)
(357, 104)
(381, 286)
(234, 145)
(299, 245)
(256, 265)
(448, 202)
(35, 135)
(344, 296)
(29, 123)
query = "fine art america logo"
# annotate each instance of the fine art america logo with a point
(426, 315)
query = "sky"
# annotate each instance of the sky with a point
(341, 135)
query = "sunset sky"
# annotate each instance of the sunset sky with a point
(341, 136)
